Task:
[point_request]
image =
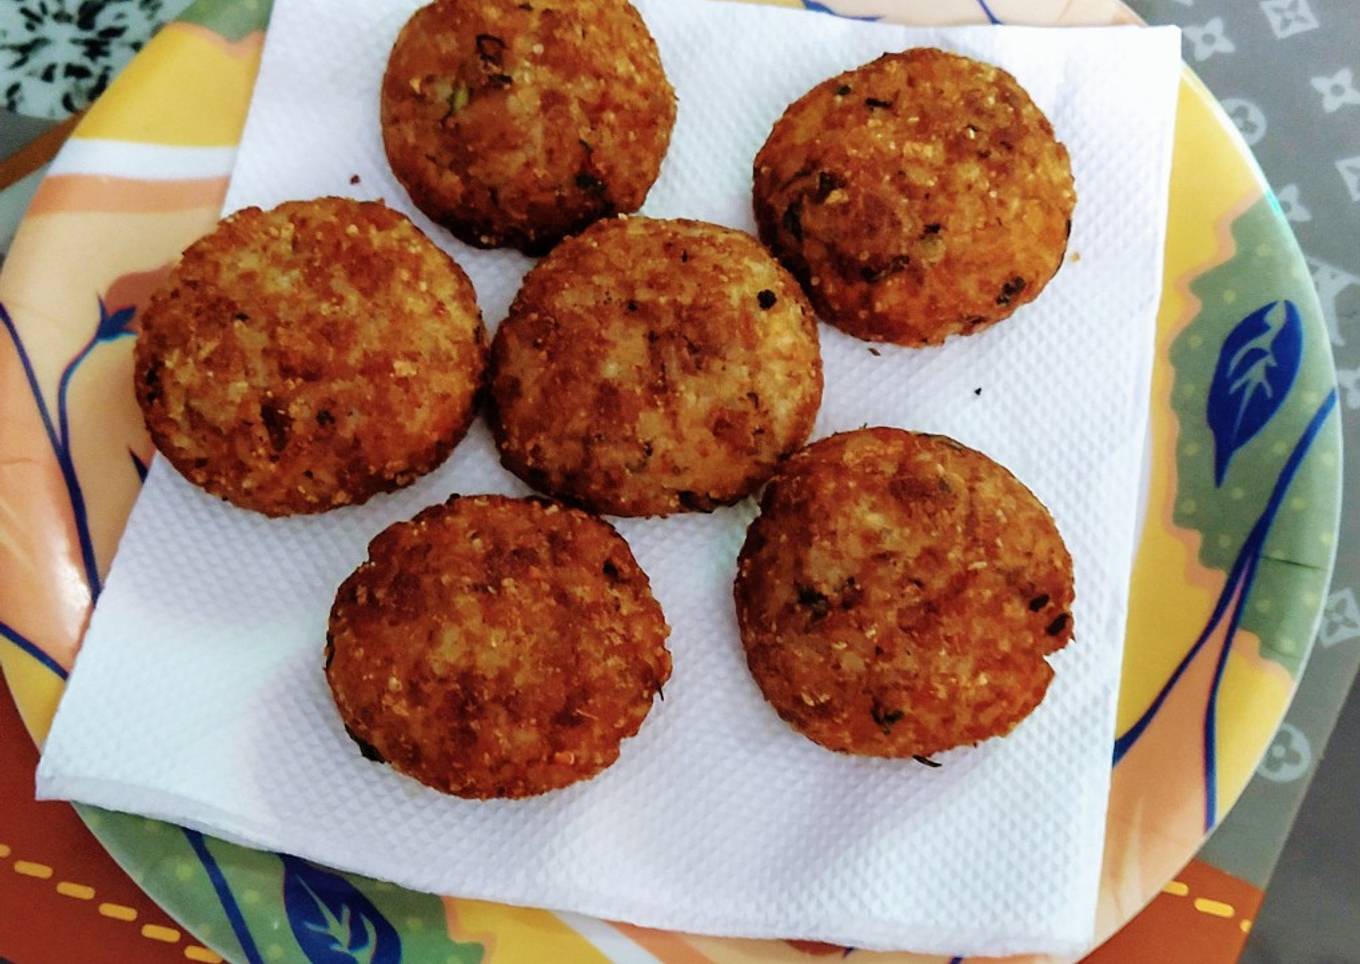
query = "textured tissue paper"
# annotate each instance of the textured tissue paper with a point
(199, 696)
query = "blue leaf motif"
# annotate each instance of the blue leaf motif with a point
(1256, 368)
(332, 921)
(113, 325)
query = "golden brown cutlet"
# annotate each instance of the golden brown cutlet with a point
(916, 197)
(496, 647)
(310, 356)
(899, 592)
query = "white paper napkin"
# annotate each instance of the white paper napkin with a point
(199, 697)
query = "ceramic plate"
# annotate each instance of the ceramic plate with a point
(1241, 498)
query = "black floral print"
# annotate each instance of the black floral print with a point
(57, 56)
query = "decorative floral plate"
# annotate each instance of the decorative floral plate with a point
(1242, 497)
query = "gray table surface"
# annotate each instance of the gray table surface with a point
(1288, 73)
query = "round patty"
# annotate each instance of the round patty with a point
(310, 356)
(898, 594)
(496, 647)
(514, 123)
(652, 366)
(919, 196)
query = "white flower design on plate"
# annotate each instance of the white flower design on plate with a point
(1289, 756)
(1331, 282)
(1208, 39)
(1288, 17)
(1293, 208)
(1349, 381)
(1341, 620)
(1350, 173)
(1338, 90)
(1249, 118)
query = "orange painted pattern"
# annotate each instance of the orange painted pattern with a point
(664, 945)
(77, 904)
(89, 192)
(1203, 916)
